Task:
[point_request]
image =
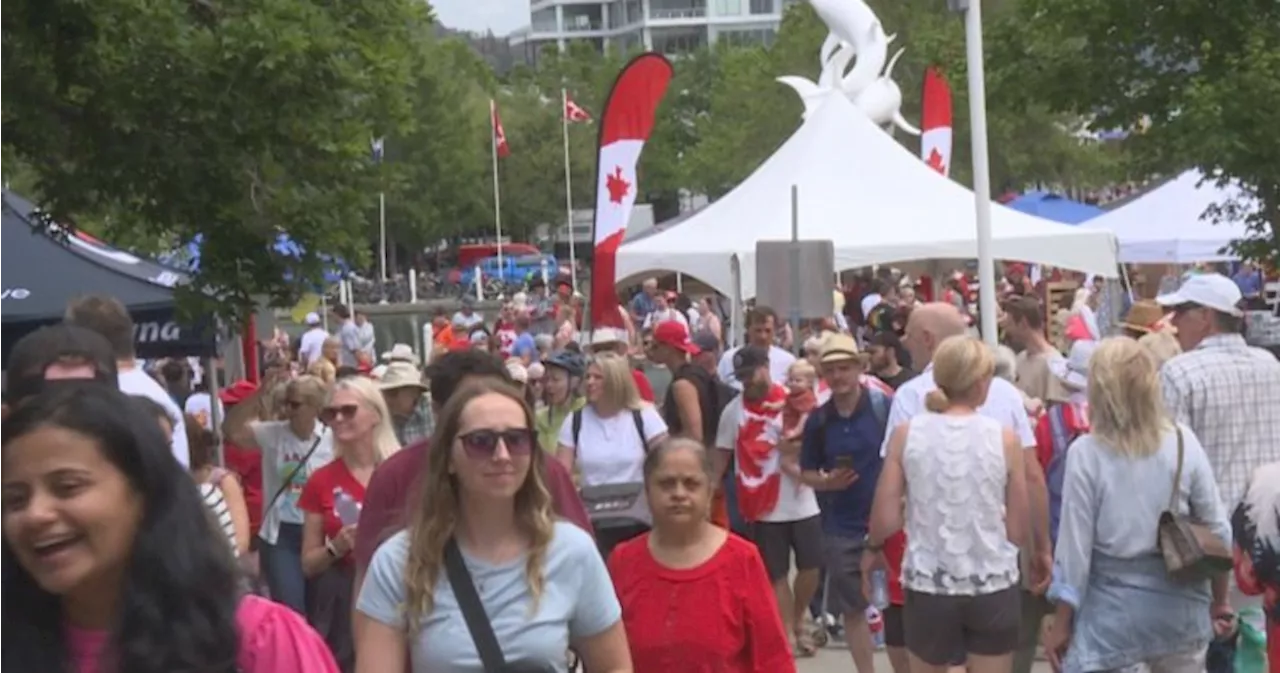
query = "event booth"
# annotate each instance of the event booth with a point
(1167, 225)
(877, 202)
(1054, 207)
(44, 269)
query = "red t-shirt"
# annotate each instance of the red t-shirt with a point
(318, 495)
(396, 482)
(720, 616)
(643, 385)
(247, 464)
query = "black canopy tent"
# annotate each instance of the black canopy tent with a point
(43, 272)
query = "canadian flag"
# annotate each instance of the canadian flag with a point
(935, 122)
(574, 112)
(499, 136)
(625, 126)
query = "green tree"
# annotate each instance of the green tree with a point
(237, 122)
(1197, 80)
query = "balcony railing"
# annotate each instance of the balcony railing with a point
(677, 12)
(574, 27)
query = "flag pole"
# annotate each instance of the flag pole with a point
(382, 237)
(568, 191)
(497, 197)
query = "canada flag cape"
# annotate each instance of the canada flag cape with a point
(759, 463)
(625, 126)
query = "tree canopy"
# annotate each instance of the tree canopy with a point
(152, 123)
(1196, 83)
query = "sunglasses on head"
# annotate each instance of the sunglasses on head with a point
(343, 412)
(483, 444)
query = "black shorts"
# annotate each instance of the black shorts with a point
(938, 627)
(844, 574)
(777, 539)
(895, 632)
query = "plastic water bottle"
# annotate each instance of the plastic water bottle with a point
(879, 597)
(346, 507)
(875, 624)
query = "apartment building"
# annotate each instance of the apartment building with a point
(672, 27)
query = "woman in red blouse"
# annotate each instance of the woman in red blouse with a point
(695, 598)
(331, 500)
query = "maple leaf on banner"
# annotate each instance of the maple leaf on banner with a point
(617, 185)
(935, 161)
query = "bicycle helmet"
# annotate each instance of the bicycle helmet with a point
(571, 362)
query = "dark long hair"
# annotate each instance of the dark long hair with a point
(178, 603)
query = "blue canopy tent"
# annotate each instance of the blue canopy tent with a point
(188, 257)
(1054, 207)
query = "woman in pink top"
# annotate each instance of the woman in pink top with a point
(111, 563)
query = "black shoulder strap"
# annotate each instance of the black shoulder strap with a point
(288, 481)
(820, 440)
(577, 427)
(638, 418)
(472, 609)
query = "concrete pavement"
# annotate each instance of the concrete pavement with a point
(834, 658)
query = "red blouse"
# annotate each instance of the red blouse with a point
(719, 617)
(319, 497)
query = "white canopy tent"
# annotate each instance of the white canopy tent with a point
(873, 198)
(1165, 225)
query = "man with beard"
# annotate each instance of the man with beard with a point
(886, 353)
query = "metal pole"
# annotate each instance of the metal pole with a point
(981, 170)
(497, 197)
(382, 237)
(215, 418)
(794, 261)
(568, 191)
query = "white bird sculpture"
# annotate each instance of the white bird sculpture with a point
(854, 30)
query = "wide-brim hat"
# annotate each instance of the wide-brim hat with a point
(1143, 316)
(401, 375)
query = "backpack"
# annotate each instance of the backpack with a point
(713, 395)
(879, 407)
(635, 416)
(1060, 425)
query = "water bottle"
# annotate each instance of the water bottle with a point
(346, 507)
(879, 597)
(875, 624)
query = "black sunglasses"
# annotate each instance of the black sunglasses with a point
(345, 411)
(483, 444)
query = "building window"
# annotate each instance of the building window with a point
(762, 7)
(679, 40)
(677, 9)
(728, 7)
(544, 21)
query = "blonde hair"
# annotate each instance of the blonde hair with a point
(434, 517)
(311, 388)
(384, 434)
(324, 370)
(1161, 346)
(802, 367)
(619, 386)
(960, 365)
(1126, 410)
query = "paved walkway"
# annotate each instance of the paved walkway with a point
(836, 659)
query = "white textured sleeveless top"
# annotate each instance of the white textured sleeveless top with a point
(957, 542)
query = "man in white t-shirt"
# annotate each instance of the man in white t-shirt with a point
(108, 317)
(781, 510)
(312, 343)
(762, 325)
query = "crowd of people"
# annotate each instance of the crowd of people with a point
(525, 497)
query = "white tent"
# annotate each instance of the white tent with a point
(1166, 225)
(874, 199)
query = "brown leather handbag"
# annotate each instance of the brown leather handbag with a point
(1191, 551)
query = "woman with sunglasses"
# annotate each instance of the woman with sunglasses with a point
(106, 564)
(363, 437)
(541, 583)
(291, 450)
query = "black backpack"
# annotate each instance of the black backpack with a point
(714, 395)
(635, 416)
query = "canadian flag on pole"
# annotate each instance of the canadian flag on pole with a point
(499, 136)
(935, 122)
(574, 112)
(625, 126)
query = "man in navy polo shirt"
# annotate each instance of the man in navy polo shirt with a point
(840, 457)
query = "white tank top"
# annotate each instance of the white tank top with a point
(957, 543)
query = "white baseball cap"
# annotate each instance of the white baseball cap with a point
(312, 318)
(1210, 290)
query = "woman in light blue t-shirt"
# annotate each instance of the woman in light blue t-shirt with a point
(542, 583)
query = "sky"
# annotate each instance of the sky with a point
(500, 16)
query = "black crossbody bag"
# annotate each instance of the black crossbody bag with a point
(478, 622)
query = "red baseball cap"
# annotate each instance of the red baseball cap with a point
(237, 392)
(673, 333)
